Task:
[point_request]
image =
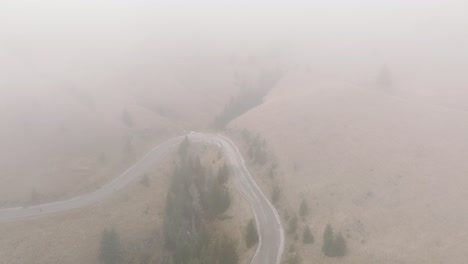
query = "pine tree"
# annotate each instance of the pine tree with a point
(183, 147)
(275, 195)
(307, 237)
(384, 79)
(127, 118)
(111, 248)
(340, 246)
(223, 174)
(327, 241)
(251, 235)
(304, 209)
(292, 225)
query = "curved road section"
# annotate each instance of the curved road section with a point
(271, 234)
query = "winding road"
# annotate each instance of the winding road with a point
(271, 234)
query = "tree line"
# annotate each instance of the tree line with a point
(195, 199)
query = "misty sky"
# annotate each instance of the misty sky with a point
(78, 38)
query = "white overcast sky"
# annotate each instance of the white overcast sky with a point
(81, 33)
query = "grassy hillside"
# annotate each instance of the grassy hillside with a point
(65, 135)
(384, 171)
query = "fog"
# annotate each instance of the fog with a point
(82, 39)
(354, 110)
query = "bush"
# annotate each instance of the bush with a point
(111, 248)
(251, 234)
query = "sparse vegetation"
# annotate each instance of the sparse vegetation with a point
(251, 234)
(333, 245)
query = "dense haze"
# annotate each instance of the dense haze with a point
(91, 41)
(359, 108)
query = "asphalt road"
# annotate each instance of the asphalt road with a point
(271, 234)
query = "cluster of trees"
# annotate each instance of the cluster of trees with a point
(333, 245)
(237, 106)
(195, 198)
(257, 151)
(268, 78)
